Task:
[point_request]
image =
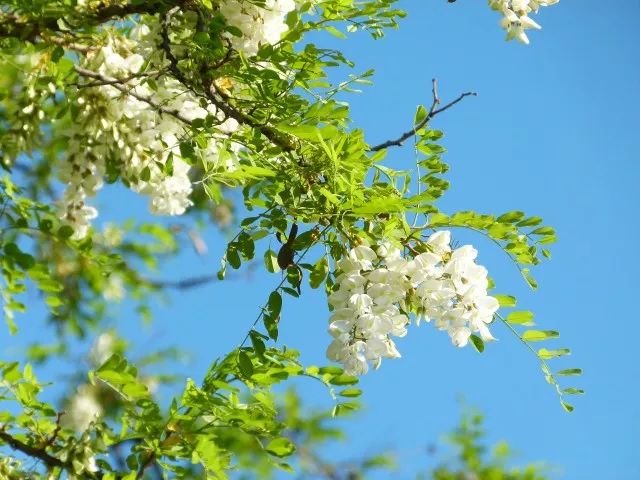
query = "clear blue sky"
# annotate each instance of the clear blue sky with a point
(553, 132)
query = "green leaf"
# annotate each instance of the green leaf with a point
(319, 272)
(271, 261)
(245, 364)
(421, 114)
(529, 279)
(350, 392)
(65, 231)
(511, 217)
(520, 318)
(546, 231)
(539, 335)
(568, 407)
(275, 303)
(343, 380)
(573, 391)
(257, 341)
(329, 196)
(233, 257)
(335, 32)
(65, 65)
(344, 408)
(280, 447)
(545, 354)
(506, 301)
(569, 372)
(477, 343)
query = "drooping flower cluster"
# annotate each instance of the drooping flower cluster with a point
(259, 25)
(142, 143)
(377, 288)
(452, 289)
(121, 128)
(516, 16)
(365, 313)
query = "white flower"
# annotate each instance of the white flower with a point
(516, 16)
(439, 242)
(83, 409)
(102, 348)
(140, 141)
(113, 289)
(259, 26)
(361, 302)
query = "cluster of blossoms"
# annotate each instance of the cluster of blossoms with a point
(516, 16)
(123, 131)
(377, 288)
(259, 25)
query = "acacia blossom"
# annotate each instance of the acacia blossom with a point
(374, 289)
(82, 409)
(116, 132)
(258, 25)
(516, 16)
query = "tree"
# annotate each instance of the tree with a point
(214, 109)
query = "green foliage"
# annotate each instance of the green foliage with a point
(475, 460)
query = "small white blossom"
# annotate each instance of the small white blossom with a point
(102, 348)
(258, 25)
(516, 19)
(83, 409)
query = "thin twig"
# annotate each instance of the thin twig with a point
(433, 111)
(184, 284)
(121, 81)
(55, 433)
(117, 84)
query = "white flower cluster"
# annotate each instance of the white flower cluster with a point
(259, 25)
(138, 139)
(140, 142)
(374, 289)
(516, 16)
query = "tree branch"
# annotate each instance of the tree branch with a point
(219, 99)
(13, 25)
(38, 453)
(433, 111)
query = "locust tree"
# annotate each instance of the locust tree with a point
(224, 112)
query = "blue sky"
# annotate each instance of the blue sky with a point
(552, 132)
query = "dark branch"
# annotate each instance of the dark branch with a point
(433, 111)
(146, 464)
(13, 25)
(218, 98)
(33, 452)
(121, 81)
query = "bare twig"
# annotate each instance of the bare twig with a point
(55, 433)
(433, 111)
